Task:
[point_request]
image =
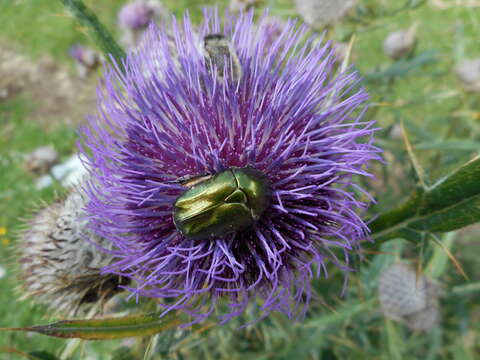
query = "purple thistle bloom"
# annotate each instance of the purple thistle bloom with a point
(288, 115)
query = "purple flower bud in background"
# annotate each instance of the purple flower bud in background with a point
(76, 52)
(134, 17)
(85, 58)
(225, 122)
(84, 55)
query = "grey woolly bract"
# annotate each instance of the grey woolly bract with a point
(289, 115)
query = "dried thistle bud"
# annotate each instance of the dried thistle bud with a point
(221, 56)
(318, 13)
(41, 160)
(468, 72)
(59, 266)
(409, 297)
(400, 43)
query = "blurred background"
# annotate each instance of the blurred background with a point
(420, 60)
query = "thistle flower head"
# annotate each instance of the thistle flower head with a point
(258, 145)
(59, 267)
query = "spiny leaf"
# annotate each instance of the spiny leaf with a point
(107, 328)
(449, 145)
(411, 154)
(404, 67)
(437, 266)
(42, 355)
(451, 257)
(450, 204)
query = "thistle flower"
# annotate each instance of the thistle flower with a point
(219, 187)
(59, 267)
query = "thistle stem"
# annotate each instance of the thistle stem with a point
(97, 31)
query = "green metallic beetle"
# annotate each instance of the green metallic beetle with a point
(216, 205)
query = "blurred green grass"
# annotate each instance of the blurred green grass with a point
(427, 98)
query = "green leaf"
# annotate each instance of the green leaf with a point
(395, 343)
(450, 204)
(123, 353)
(450, 144)
(107, 328)
(438, 264)
(42, 355)
(404, 66)
(34, 355)
(347, 311)
(378, 264)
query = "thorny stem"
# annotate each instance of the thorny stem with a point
(99, 33)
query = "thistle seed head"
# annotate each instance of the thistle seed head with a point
(409, 297)
(59, 263)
